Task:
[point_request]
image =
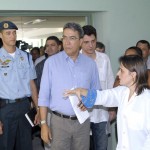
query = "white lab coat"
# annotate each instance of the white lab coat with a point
(133, 117)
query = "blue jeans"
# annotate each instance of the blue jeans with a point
(99, 136)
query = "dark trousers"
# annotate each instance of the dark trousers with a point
(99, 136)
(91, 143)
(16, 129)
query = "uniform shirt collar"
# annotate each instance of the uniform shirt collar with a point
(5, 53)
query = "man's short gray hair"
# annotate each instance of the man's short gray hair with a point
(74, 26)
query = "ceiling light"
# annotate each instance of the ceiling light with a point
(34, 21)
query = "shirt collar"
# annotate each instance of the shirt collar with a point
(99, 54)
(68, 58)
(5, 53)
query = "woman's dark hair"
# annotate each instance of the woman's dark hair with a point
(135, 63)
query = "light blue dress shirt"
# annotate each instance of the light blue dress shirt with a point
(61, 73)
(15, 74)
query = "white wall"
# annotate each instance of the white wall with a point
(58, 5)
(122, 25)
(119, 23)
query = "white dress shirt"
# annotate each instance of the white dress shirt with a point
(106, 80)
(133, 117)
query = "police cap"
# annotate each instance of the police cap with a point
(4, 25)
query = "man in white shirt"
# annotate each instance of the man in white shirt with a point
(99, 115)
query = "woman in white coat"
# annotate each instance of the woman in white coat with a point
(132, 98)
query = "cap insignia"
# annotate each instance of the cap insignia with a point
(5, 25)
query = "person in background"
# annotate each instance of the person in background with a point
(52, 46)
(100, 115)
(133, 51)
(42, 50)
(100, 47)
(61, 45)
(145, 47)
(66, 70)
(35, 52)
(17, 76)
(38, 60)
(41, 58)
(132, 98)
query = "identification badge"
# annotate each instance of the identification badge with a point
(4, 66)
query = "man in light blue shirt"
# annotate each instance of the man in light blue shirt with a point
(16, 80)
(66, 70)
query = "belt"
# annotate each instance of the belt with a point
(9, 101)
(64, 116)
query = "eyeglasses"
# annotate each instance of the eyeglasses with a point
(69, 38)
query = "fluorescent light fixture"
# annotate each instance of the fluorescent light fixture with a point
(34, 21)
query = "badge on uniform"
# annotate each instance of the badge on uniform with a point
(22, 58)
(6, 62)
(4, 66)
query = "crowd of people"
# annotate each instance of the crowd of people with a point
(77, 65)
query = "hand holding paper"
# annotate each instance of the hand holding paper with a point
(81, 115)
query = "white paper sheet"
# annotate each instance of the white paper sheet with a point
(81, 115)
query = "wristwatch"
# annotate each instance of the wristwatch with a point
(43, 122)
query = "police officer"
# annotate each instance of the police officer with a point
(17, 76)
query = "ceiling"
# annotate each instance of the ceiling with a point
(30, 29)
